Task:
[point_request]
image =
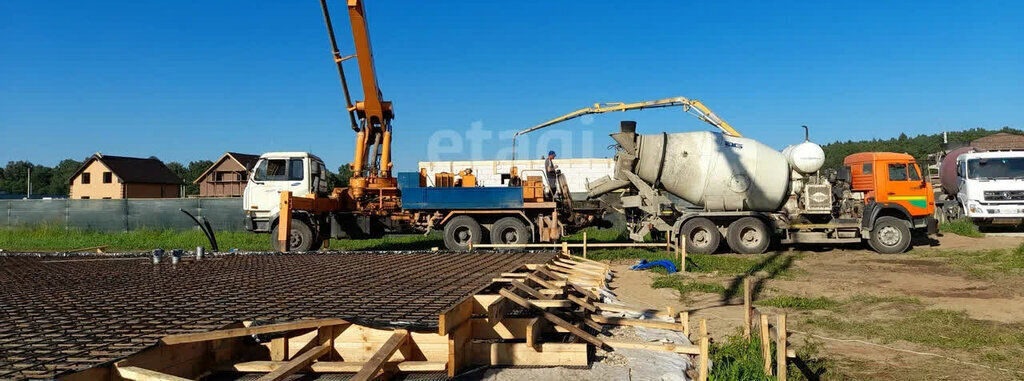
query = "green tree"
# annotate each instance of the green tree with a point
(339, 179)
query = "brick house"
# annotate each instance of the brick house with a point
(227, 176)
(117, 177)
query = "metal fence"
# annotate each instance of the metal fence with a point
(225, 214)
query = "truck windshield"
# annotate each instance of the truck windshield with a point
(995, 168)
(271, 170)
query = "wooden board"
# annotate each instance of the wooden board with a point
(374, 364)
(296, 364)
(248, 331)
(141, 374)
(450, 319)
(521, 354)
(554, 319)
(338, 366)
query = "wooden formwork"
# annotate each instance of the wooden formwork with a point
(539, 315)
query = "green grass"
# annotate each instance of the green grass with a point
(962, 227)
(685, 287)
(44, 238)
(982, 263)
(740, 359)
(800, 303)
(830, 304)
(598, 235)
(933, 327)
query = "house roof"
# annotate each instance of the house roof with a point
(247, 161)
(999, 141)
(133, 169)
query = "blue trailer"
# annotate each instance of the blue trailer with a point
(509, 214)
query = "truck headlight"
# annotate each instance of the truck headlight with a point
(974, 207)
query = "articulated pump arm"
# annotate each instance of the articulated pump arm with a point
(372, 156)
(691, 106)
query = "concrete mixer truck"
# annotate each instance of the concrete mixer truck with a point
(753, 195)
(986, 187)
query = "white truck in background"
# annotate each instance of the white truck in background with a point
(988, 187)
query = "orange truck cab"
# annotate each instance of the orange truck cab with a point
(893, 187)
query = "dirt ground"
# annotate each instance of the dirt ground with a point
(843, 273)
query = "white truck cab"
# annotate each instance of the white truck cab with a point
(992, 186)
(301, 173)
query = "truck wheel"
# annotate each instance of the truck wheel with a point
(460, 232)
(300, 239)
(748, 235)
(702, 236)
(890, 235)
(509, 230)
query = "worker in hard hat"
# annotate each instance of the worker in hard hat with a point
(551, 170)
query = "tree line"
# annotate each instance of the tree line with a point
(55, 181)
(919, 146)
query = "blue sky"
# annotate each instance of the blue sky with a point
(188, 80)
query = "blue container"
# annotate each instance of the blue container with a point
(417, 197)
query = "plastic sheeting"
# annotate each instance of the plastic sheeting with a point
(225, 214)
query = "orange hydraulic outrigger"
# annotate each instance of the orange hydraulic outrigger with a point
(372, 189)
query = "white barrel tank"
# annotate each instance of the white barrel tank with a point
(805, 158)
(719, 172)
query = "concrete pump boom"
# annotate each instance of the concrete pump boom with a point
(691, 106)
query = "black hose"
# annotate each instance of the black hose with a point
(207, 230)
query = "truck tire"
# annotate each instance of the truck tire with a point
(702, 236)
(300, 239)
(748, 235)
(890, 235)
(460, 232)
(510, 230)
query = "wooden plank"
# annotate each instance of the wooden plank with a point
(533, 331)
(705, 344)
(587, 293)
(514, 275)
(296, 364)
(747, 322)
(552, 303)
(481, 301)
(140, 374)
(238, 332)
(684, 322)
(550, 274)
(450, 319)
(521, 354)
(507, 328)
(279, 348)
(582, 303)
(541, 282)
(635, 322)
(338, 366)
(370, 369)
(496, 310)
(766, 346)
(780, 348)
(458, 347)
(554, 319)
(666, 347)
(528, 290)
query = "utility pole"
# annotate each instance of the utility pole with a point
(29, 182)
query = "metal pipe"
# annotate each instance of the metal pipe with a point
(338, 59)
(559, 244)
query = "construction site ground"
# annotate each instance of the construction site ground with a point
(60, 314)
(952, 308)
(851, 298)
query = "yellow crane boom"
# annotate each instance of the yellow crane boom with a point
(692, 106)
